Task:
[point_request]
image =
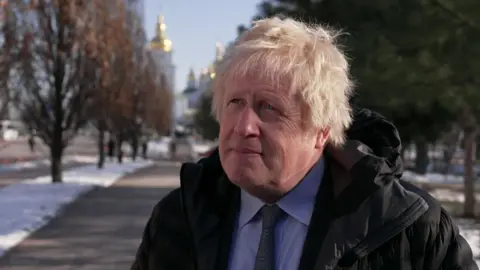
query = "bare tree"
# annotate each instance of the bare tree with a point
(106, 35)
(159, 103)
(123, 66)
(470, 131)
(152, 102)
(55, 81)
(137, 92)
(8, 52)
(127, 80)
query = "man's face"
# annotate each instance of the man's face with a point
(263, 142)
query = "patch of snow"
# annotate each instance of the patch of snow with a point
(448, 195)
(27, 206)
(441, 194)
(468, 228)
(432, 178)
(200, 148)
(160, 148)
(471, 232)
(44, 162)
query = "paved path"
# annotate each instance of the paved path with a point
(101, 230)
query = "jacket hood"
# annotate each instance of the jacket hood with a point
(372, 136)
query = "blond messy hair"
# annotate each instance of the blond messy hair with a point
(315, 67)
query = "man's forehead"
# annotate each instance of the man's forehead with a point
(258, 83)
(260, 90)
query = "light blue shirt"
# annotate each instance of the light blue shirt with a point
(290, 231)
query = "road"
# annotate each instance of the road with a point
(101, 230)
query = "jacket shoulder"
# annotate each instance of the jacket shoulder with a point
(166, 242)
(434, 212)
(435, 237)
(167, 210)
(429, 223)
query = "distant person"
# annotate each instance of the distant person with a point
(144, 148)
(173, 149)
(300, 179)
(120, 153)
(31, 143)
(111, 149)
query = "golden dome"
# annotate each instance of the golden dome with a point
(160, 41)
(211, 70)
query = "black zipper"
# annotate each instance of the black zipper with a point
(387, 232)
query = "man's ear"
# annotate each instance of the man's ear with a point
(322, 137)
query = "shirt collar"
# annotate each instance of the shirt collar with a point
(298, 203)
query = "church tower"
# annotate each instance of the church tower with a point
(160, 40)
(161, 50)
(191, 79)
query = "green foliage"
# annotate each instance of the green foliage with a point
(416, 61)
(205, 124)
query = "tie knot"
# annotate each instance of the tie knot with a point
(271, 214)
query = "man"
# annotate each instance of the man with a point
(295, 185)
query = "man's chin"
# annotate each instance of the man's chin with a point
(243, 178)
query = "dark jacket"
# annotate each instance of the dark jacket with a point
(365, 217)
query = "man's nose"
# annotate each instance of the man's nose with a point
(247, 123)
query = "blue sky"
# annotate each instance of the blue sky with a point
(195, 26)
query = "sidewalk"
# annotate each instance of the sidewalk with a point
(99, 231)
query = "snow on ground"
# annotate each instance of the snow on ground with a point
(471, 232)
(468, 228)
(441, 194)
(449, 195)
(432, 178)
(160, 148)
(17, 166)
(30, 204)
(202, 147)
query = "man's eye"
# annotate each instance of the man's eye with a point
(267, 106)
(235, 101)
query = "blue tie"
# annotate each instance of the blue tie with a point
(265, 259)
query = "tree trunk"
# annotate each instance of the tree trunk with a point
(56, 146)
(119, 148)
(421, 160)
(469, 171)
(56, 150)
(101, 147)
(134, 145)
(451, 143)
